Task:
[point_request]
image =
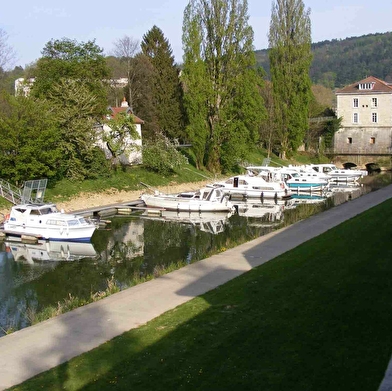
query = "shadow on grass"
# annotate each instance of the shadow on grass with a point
(316, 317)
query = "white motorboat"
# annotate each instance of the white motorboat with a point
(44, 221)
(306, 182)
(339, 174)
(203, 200)
(297, 178)
(246, 186)
(45, 251)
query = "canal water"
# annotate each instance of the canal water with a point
(129, 249)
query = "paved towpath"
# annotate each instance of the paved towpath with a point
(38, 348)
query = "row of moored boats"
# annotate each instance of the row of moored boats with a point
(260, 182)
(44, 221)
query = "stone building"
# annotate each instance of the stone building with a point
(365, 135)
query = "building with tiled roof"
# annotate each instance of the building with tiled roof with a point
(365, 108)
(133, 154)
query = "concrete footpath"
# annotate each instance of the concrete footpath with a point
(38, 348)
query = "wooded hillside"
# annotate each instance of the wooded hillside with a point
(340, 62)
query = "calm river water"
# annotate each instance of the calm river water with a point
(33, 277)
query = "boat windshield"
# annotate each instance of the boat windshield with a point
(44, 211)
(74, 222)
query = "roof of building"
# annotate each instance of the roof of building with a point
(125, 108)
(377, 86)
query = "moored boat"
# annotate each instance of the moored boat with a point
(245, 186)
(203, 200)
(307, 182)
(339, 174)
(44, 221)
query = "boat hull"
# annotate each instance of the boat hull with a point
(186, 205)
(307, 186)
(235, 193)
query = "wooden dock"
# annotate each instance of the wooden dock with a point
(121, 209)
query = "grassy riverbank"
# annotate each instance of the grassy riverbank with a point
(315, 318)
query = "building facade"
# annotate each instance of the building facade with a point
(132, 147)
(365, 108)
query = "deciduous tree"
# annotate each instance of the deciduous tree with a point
(290, 60)
(75, 108)
(126, 49)
(118, 139)
(69, 60)
(221, 82)
(7, 53)
(30, 147)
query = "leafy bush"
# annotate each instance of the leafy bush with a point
(161, 155)
(98, 165)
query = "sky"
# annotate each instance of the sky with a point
(31, 24)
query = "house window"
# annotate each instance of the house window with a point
(374, 117)
(374, 102)
(366, 86)
(355, 102)
(372, 140)
(349, 140)
(355, 118)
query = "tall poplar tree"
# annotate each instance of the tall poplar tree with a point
(290, 59)
(221, 82)
(166, 93)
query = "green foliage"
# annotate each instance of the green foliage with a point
(69, 60)
(144, 105)
(120, 136)
(30, 147)
(97, 165)
(330, 128)
(166, 92)
(222, 99)
(161, 155)
(290, 59)
(194, 75)
(75, 107)
(333, 60)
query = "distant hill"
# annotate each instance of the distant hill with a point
(341, 62)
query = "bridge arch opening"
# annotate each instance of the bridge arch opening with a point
(349, 165)
(372, 168)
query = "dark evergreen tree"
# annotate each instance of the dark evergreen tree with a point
(165, 87)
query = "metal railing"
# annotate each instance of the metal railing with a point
(10, 193)
(32, 191)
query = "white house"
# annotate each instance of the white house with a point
(133, 148)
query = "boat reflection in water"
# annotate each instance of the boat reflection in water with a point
(49, 251)
(211, 222)
(267, 213)
(298, 199)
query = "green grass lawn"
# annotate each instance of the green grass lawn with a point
(316, 318)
